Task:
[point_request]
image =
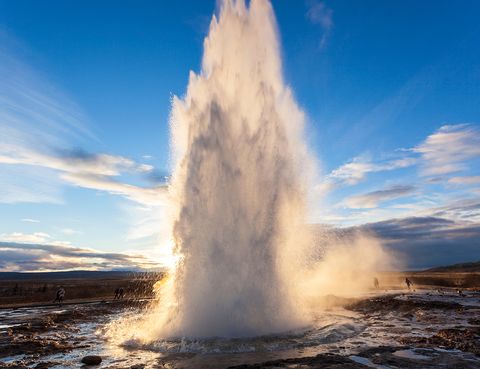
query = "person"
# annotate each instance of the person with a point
(118, 293)
(60, 295)
(376, 284)
(409, 283)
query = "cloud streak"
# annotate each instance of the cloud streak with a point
(374, 198)
(320, 14)
(30, 220)
(356, 170)
(33, 114)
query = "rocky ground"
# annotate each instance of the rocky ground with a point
(417, 330)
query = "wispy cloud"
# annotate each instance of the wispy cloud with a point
(71, 161)
(147, 196)
(357, 169)
(374, 198)
(38, 123)
(32, 108)
(93, 171)
(34, 114)
(320, 14)
(41, 130)
(449, 149)
(30, 220)
(466, 180)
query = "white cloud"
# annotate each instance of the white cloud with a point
(37, 237)
(356, 170)
(449, 149)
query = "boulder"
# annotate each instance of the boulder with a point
(92, 360)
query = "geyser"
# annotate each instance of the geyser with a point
(237, 188)
(236, 200)
(245, 264)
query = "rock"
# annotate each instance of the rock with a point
(92, 360)
(137, 366)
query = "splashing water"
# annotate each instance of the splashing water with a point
(237, 196)
(237, 137)
(237, 193)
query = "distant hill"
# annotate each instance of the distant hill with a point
(463, 267)
(77, 274)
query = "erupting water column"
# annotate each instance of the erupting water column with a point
(237, 191)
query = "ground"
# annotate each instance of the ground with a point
(426, 328)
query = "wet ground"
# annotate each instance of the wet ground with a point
(416, 330)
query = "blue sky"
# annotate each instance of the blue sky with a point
(391, 91)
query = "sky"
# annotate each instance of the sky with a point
(391, 92)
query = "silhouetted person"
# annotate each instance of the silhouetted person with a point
(376, 284)
(408, 283)
(118, 293)
(60, 295)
